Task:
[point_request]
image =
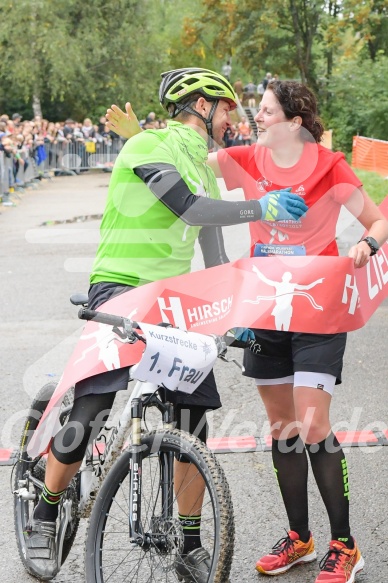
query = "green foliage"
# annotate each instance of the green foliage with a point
(279, 36)
(375, 185)
(77, 58)
(358, 101)
(369, 21)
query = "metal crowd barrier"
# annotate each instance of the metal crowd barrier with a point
(17, 173)
(4, 174)
(71, 157)
(54, 158)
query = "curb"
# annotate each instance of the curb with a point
(249, 443)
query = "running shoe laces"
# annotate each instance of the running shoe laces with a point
(286, 553)
(332, 560)
(340, 564)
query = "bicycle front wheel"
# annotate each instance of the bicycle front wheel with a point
(110, 554)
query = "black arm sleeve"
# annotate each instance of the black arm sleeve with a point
(169, 187)
(211, 241)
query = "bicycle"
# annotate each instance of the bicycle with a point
(127, 491)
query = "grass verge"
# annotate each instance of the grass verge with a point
(375, 185)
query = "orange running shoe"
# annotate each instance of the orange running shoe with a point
(287, 552)
(340, 564)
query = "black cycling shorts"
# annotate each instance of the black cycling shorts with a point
(206, 395)
(280, 354)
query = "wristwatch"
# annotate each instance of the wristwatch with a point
(373, 245)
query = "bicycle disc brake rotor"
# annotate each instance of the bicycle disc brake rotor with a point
(168, 537)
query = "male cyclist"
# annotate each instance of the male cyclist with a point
(162, 197)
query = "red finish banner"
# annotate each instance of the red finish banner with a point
(301, 293)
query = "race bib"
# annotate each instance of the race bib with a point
(262, 250)
(177, 359)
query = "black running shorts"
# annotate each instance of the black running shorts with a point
(280, 354)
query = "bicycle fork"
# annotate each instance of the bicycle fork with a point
(135, 466)
(166, 467)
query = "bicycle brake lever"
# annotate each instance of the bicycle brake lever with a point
(220, 344)
(129, 333)
(236, 362)
(119, 332)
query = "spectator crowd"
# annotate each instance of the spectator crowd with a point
(43, 143)
(19, 136)
(250, 94)
(39, 140)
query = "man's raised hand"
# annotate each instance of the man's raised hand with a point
(125, 124)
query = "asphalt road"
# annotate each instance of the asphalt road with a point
(40, 266)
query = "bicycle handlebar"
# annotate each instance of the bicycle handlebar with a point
(127, 325)
(102, 318)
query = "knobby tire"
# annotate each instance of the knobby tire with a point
(109, 554)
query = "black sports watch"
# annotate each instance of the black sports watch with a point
(373, 245)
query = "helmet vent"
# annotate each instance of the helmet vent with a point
(214, 88)
(190, 81)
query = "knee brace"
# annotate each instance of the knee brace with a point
(88, 416)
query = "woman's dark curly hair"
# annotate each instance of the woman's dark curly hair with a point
(298, 100)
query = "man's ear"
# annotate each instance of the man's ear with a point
(201, 106)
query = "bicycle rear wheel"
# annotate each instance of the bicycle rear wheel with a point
(111, 557)
(25, 467)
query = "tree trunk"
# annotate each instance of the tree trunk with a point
(36, 105)
(372, 50)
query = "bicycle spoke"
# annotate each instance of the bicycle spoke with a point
(153, 559)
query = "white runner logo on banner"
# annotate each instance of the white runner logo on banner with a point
(285, 292)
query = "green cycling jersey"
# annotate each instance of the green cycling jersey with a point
(141, 239)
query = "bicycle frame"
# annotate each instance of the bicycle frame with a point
(92, 474)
